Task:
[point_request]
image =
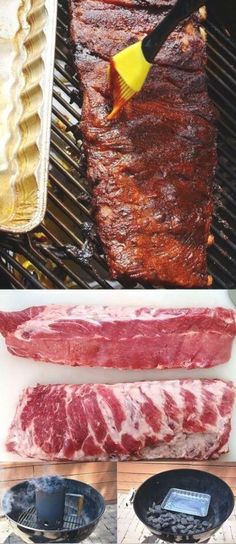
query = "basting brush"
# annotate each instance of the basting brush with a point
(129, 68)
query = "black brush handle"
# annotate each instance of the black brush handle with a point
(153, 41)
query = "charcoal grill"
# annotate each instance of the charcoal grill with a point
(19, 506)
(156, 488)
(64, 251)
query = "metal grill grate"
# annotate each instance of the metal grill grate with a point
(71, 521)
(64, 252)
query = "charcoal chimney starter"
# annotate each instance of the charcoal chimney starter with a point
(50, 502)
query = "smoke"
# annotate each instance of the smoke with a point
(23, 497)
(18, 500)
(49, 484)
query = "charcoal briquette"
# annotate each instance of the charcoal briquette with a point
(172, 522)
(152, 510)
(164, 525)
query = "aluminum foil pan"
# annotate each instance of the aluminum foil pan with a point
(187, 502)
(27, 44)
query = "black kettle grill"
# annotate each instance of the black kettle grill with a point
(44, 510)
(157, 487)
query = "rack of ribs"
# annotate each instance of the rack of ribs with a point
(152, 168)
(121, 337)
(188, 419)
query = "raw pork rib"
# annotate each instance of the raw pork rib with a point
(187, 419)
(121, 337)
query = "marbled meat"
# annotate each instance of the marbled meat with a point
(121, 337)
(189, 419)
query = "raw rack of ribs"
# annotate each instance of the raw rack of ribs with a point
(121, 337)
(176, 419)
(152, 169)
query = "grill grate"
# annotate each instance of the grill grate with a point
(71, 521)
(64, 251)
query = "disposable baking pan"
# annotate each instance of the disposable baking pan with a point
(27, 38)
(187, 502)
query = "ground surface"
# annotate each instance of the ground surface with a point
(105, 532)
(132, 531)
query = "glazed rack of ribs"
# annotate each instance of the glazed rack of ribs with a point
(65, 251)
(151, 169)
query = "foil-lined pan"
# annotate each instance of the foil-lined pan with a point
(27, 45)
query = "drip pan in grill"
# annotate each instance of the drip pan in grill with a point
(27, 45)
(155, 488)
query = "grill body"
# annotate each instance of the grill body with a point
(64, 251)
(156, 488)
(19, 507)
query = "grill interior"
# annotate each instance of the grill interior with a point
(64, 251)
(71, 520)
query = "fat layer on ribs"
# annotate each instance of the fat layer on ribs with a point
(121, 337)
(175, 419)
(151, 169)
